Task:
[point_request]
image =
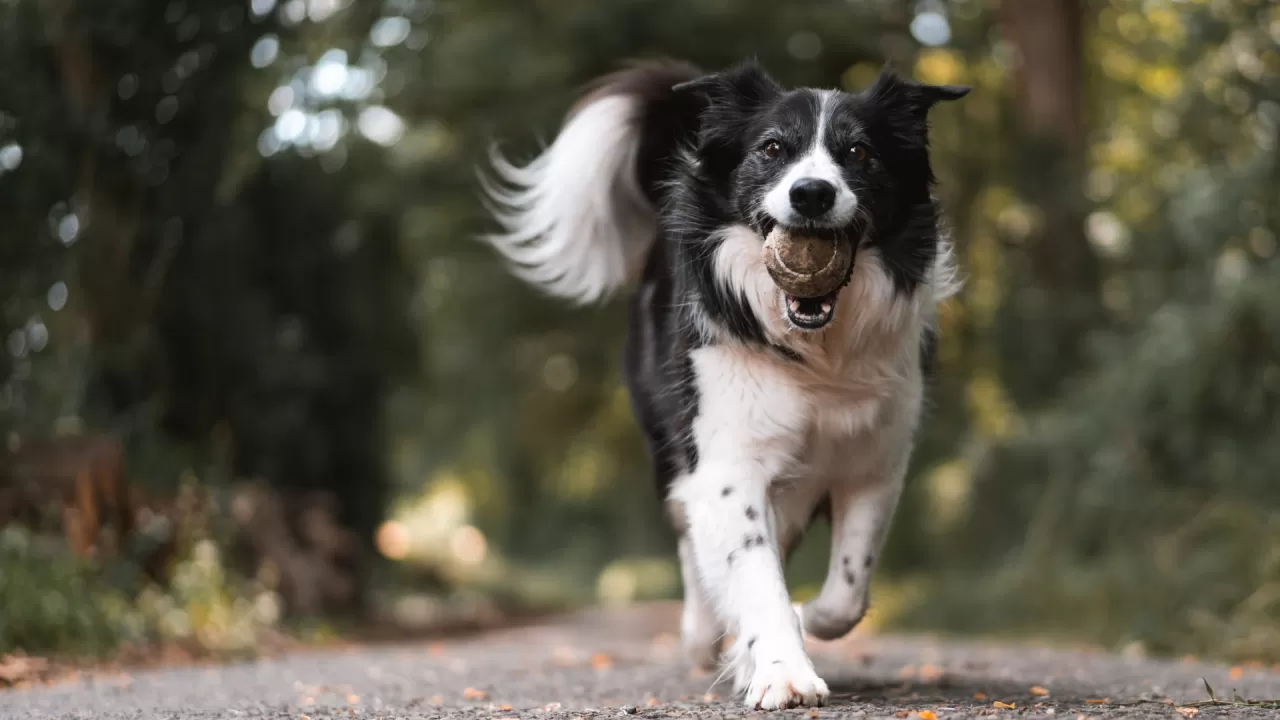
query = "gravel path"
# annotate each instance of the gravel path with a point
(609, 664)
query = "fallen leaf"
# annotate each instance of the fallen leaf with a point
(979, 696)
(651, 702)
(474, 694)
(1237, 672)
(18, 668)
(305, 717)
(1097, 701)
(930, 673)
(504, 707)
(600, 661)
(710, 697)
(1038, 691)
(813, 713)
(1004, 705)
(927, 715)
(353, 699)
(562, 655)
(1186, 711)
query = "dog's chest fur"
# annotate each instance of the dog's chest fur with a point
(835, 397)
(846, 374)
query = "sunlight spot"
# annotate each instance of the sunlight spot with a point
(330, 73)
(560, 372)
(265, 51)
(57, 296)
(261, 7)
(69, 229)
(37, 334)
(617, 585)
(389, 31)
(10, 156)
(281, 99)
(292, 12)
(393, 540)
(931, 28)
(269, 143)
(804, 46)
(380, 125)
(290, 125)
(468, 545)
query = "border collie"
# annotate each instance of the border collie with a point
(761, 410)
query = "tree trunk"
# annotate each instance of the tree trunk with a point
(1057, 302)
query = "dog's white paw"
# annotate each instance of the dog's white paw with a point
(782, 684)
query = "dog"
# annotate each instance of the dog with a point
(762, 410)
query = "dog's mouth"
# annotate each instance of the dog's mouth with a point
(810, 313)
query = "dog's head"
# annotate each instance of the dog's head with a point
(848, 168)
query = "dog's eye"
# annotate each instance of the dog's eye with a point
(772, 149)
(858, 153)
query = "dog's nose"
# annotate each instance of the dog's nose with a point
(812, 197)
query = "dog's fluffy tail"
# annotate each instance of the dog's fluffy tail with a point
(578, 220)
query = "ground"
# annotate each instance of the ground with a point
(618, 663)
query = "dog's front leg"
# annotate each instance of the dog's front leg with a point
(747, 432)
(863, 501)
(860, 518)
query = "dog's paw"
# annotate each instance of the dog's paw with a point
(781, 684)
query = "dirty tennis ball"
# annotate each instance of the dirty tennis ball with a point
(804, 266)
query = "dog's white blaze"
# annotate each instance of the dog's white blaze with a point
(577, 223)
(816, 163)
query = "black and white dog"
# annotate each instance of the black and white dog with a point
(761, 410)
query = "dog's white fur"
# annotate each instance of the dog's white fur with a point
(577, 224)
(773, 436)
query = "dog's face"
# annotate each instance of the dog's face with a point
(846, 167)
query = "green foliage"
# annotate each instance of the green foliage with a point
(53, 602)
(1141, 505)
(57, 603)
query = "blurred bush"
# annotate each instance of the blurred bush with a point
(195, 602)
(55, 602)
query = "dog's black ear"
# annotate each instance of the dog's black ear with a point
(745, 86)
(904, 104)
(892, 90)
(727, 102)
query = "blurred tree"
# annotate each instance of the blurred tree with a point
(1056, 284)
(221, 312)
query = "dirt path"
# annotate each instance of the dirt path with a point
(619, 663)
